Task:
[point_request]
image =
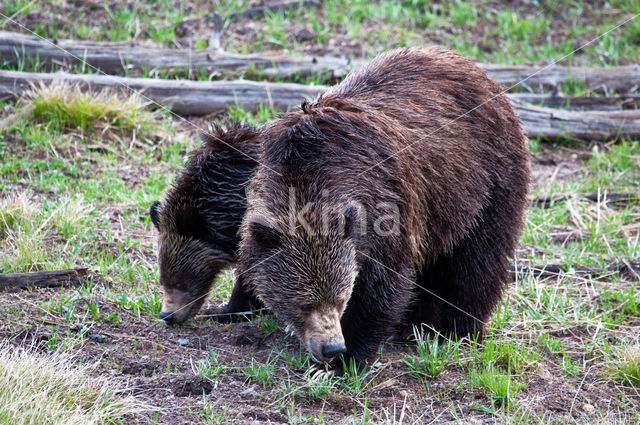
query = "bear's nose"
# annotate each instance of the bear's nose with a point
(333, 349)
(168, 317)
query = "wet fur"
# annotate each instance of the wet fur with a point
(200, 218)
(422, 128)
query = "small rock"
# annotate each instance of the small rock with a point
(183, 341)
(588, 408)
(98, 338)
(78, 327)
(144, 358)
(305, 35)
(249, 392)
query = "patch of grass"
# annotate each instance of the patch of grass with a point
(263, 115)
(49, 389)
(500, 386)
(66, 106)
(626, 367)
(354, 378)
(262, 373)
(26, 229)
(432, 355)
(211, 368)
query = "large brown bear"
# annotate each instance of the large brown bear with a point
(199, 221)
(394, 198)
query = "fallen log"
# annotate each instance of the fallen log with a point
(605, 198)
(125, 57)
(182, 96)
(579, 103)
(618, 78)
(203, 97)
(554, 124)
(43, 279)
(628, 269)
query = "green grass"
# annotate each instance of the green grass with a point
(433, 354)
(65, 106)
(626, 368)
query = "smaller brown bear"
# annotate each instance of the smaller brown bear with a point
(199, 222)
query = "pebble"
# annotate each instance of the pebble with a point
(183, 341)
(77, 327)
(98, 338)
(588, 408)
(144, 358)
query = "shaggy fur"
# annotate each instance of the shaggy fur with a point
(425, 131)
(200, 218)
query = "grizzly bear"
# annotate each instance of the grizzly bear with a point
(199, 221)
(393, 199)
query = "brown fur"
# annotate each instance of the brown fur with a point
(200, 218)
(423, 129)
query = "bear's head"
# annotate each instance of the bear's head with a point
(305, 275)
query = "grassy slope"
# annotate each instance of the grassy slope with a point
(76, 187)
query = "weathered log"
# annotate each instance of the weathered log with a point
(119, 58)
(579, 103)
(554, 124)
(127, 57)
(182, 96)
(259, 11)
(627, 269)
(201, 97)
(43, 279)
(618, 78)
(606, 198)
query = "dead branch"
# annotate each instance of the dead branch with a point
(43, 279)
(605, 198)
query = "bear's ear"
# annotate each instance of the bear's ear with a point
(266, 237)
(209, 140)
(351, 218)
(153, 213)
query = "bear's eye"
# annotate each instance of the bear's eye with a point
(266, 237)
(306, 308)
(342, 304)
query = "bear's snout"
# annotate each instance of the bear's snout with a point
(333, 349)
(323, 335)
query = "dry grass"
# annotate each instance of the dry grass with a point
(67, 106)
(50, 389)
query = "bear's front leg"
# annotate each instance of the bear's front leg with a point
(381, 296)
(240, 304)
